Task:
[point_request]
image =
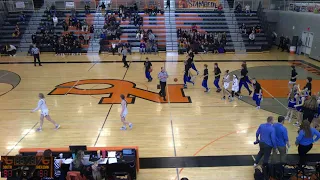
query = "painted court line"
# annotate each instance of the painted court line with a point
(22, 138)
(213, 141)
(105, 120)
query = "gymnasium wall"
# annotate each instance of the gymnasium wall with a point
(294, 23)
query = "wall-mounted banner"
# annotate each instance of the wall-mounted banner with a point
(198, 4)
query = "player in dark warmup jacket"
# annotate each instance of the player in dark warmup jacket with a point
(293, 78)
(191, 61)
(205, 78)
(257, 92)
(148, 66)
(244, 78)
(187, 75)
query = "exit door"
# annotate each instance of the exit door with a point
(307, 39)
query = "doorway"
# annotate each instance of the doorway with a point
(307, 39)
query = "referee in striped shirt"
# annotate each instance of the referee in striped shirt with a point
(163, 76)
(36, 55)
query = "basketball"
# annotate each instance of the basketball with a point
(150, 70)
(175, 79)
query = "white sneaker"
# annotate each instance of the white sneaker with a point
(57, 127)
(296, 124)
(123, 128)
(130, 125)
(209, 90)
(258, 107)
(286, 118)
(39, 129)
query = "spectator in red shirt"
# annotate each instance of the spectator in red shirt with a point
(194, 28)
(220, 9)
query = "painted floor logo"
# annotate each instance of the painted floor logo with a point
(118, 87)
(274, 82)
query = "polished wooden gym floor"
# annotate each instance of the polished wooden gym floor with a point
(205, 126)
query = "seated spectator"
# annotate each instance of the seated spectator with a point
(16, 32)
(11, 50)
(113, 48)
(53, 9)
(238, 8)
(78, 162)
(142, 47)
(220, 9)
(243, 29)
(34, 38)
(119, 47)
(86, 38)
(78, 25)
(74, 21)
(138, 35)
(87, 8)
(55, 21)
(247, 7)
(103, 6)
(155, 47)
(85, 26)
(252, 37)
(194, 28)
(128, 46)
(22, 17)
(258, 28)
(73, 12)
(91, 29)
(65, 26)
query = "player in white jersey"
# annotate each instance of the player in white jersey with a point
(44, 112)
(235, 87)
(226, 84)
(124, 113)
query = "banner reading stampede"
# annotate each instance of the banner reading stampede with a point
(198, 4)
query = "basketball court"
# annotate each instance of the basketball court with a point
(174, 137)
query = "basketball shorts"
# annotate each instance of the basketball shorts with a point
(45, 112)
(124, 114)
(292, 82)
(291, 105)
(226, 85)
(235, 88)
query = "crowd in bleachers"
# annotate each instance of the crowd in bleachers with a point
(153, 11)
(148, 43)
(112, 30)
(69, 43)
(201, 42)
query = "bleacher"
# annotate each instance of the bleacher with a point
(261, 43)
(129, 30)
(58, 30)
(8, 28)
(206, 21)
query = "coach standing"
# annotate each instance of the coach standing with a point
(163, 76)
(36, 55)
(124, 57)
(282, 141)
(267, 141)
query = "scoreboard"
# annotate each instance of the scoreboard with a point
(17, 166)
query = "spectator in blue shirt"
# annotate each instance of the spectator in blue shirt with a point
(306, 137)
(267, 141)
(282, 142)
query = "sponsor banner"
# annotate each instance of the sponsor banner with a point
(198, 4)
